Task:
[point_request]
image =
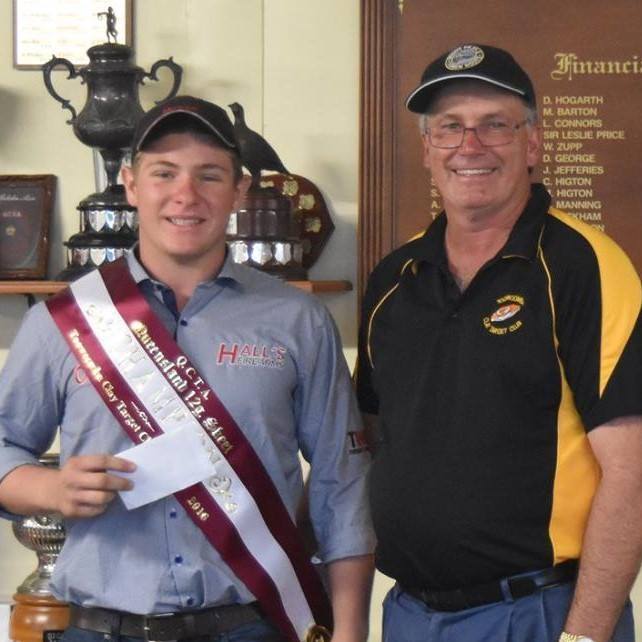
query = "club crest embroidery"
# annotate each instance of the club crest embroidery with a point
(504, 319)
(464, 57)
(250, 354)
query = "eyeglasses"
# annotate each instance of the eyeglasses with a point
(490, 134)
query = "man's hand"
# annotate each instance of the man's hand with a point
(83, 487)
(86, 484)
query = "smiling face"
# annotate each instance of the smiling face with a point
(185, 189)
(475, 180)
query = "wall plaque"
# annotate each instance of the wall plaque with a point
(25, 211)
(585, 60)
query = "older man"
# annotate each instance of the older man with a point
(500, 359)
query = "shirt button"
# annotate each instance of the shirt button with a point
(173, 513)
(189, 601)
(178, 559)
(183, 322)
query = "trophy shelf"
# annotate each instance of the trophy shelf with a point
(31, 288)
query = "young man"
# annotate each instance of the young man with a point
(500, 356)
(221, 374)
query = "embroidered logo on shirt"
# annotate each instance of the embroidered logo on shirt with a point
(251, 354)
(503, 319)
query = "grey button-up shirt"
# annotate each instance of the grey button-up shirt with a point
(272, 355)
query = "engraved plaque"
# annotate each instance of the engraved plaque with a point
(25, 210)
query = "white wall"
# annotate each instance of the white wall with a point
(293, 64)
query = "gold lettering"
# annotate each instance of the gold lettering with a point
(90, 365)
(108, 388)
(568, 65)
(196, 507)
(511, 297)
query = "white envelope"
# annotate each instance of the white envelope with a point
(167, 464)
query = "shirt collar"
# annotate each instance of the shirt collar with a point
(525, 235)
(229, 274)
(522, 241)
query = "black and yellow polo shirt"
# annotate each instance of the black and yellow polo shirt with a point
(484, 398)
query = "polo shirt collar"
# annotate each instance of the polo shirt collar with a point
(522, 241)
(524, 237)
(230, 274)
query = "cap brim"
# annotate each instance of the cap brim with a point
(418, 100)
(162, 117)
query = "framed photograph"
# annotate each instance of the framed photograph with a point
(66, 29)
(25, 211)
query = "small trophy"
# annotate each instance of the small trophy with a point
(36, 615)
(107, 121)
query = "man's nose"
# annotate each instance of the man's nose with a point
(470, 141)
(186, 189)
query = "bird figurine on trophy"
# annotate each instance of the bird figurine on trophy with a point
(268, 230)
(256, 153)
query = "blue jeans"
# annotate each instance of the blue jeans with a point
(261, 631)
(536, 618)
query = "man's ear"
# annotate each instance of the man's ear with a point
(533, 145)
(129, 181)
(241, 190)
(426, 153)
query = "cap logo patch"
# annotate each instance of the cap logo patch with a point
(504, 318)
(464, 57)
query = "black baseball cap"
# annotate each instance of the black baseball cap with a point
(209, 115)
(479, 62)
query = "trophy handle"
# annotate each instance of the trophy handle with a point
(177, 72)
(46, 72)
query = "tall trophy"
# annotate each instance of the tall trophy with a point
(107, 121)
(36, 615)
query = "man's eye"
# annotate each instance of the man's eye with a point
(211, 178)
(450, 127)
(496, 125)
(162, 173)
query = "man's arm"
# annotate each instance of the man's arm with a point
(350, 581)
(83, 487)
(371, 428)
(612, 546)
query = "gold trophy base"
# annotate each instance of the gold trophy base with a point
(37, 619)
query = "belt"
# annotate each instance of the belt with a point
(164, 626)
(509, 588)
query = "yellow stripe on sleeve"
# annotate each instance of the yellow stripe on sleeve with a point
(621, 294)
(577, 473)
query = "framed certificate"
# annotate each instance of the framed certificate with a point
(25, 212)
(66, 29)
